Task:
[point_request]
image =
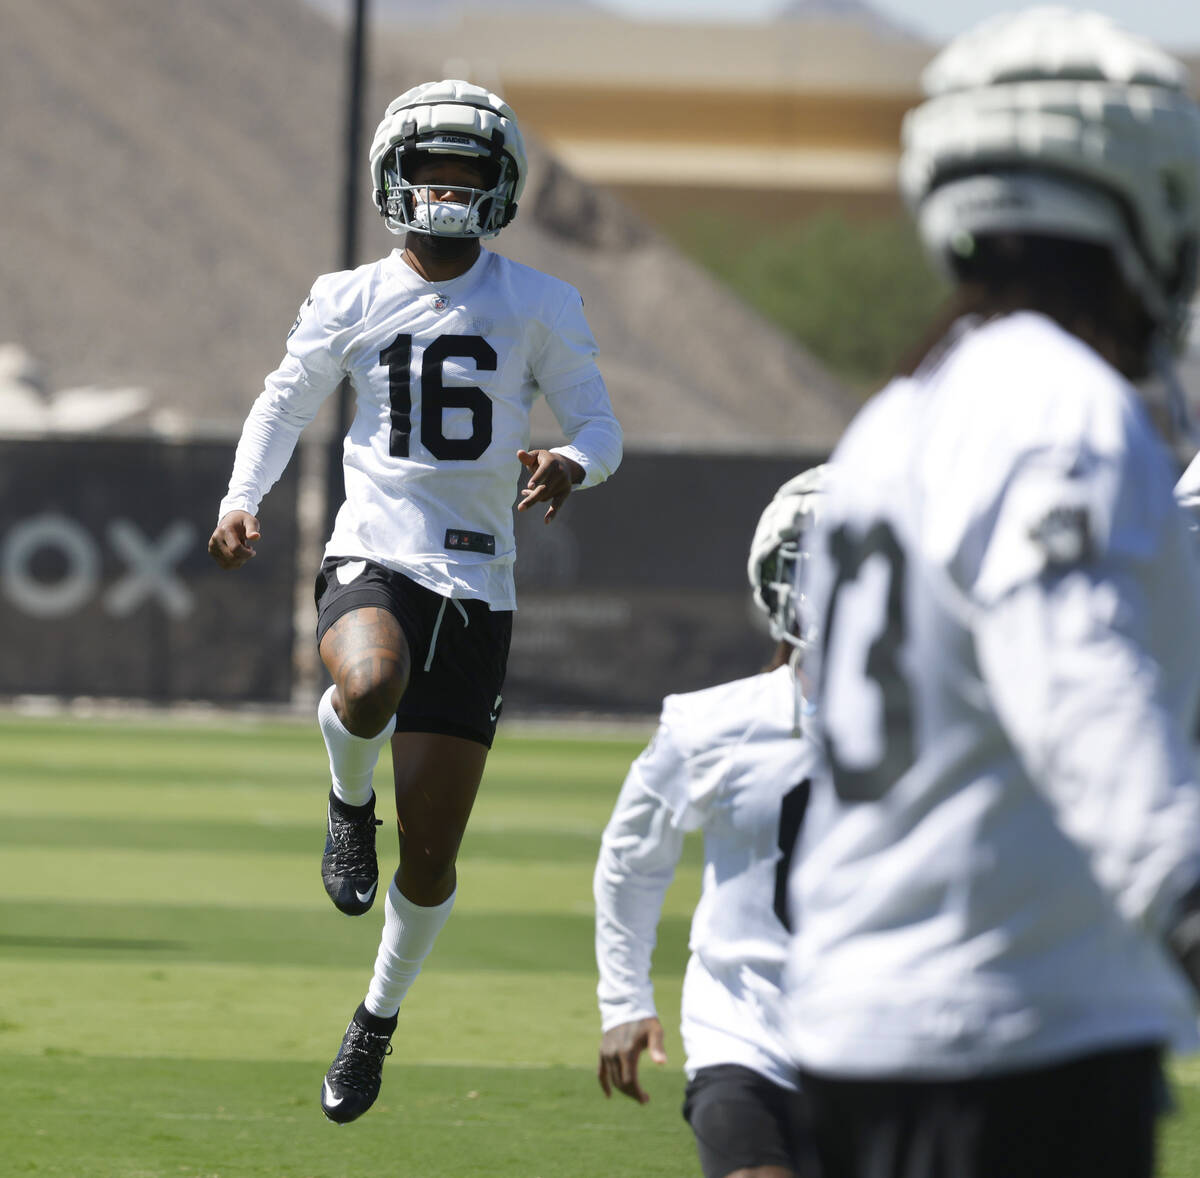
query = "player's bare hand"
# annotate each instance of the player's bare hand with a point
(229, 545)
(620, 1049)
(550, 480)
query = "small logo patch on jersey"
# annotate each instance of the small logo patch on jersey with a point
(462, 541)
(347, 572)
(1064, 535)
(440, 302)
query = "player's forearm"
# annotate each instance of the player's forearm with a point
(264, 449)
(627, 914)
(595, 438)
(639, 851)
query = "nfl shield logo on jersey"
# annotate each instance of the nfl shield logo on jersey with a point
(440, 302)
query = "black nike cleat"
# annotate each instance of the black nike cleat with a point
(352, 1082)
(349, 867)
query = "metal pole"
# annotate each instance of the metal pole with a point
(355, 85)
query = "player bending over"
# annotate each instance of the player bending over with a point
(735, 762)
(447, 346)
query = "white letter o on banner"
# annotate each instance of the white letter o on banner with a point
(36, 597)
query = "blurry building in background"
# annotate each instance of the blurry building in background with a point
(767, 119)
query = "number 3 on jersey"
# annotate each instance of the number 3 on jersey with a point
(870, 641)
(436, 397)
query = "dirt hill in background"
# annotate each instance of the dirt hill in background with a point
(171, 186)
(168, 188)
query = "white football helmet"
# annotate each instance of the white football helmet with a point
(450, 117)
(1057, 122)
(776, 553)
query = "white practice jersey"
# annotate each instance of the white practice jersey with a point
(1009, 678)
(723, 760)
(445, 376)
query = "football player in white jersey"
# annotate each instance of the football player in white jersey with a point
(447, 346)
(733, 761)
(997, 881)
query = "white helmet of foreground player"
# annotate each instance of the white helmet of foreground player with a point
(448, 118)
(776, 553)
(1058, 123)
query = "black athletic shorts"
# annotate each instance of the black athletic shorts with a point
(742, 1120)
(459, 648)
(1092, 1117)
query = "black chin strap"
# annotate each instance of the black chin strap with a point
(497, 156)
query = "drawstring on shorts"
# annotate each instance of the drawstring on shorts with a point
(437, 626)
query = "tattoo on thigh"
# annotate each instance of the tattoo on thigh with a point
(366, 644)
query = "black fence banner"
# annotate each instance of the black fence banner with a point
(106, 588)
(639, 587)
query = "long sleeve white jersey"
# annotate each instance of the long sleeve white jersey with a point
(723, 760)
(445, 377)
(1009, 679)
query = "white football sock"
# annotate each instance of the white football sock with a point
(409, 932)
(352, 759)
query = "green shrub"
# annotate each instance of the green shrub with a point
(857, 294)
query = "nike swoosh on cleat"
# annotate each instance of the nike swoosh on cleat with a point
(328, 1098)
(363, 897)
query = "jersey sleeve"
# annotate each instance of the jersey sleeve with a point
(586, 416)
(567, 355)
(1066, 645)
(1066, 662)
(639, 851)
(1061, 508)
(312, 367)
(566, 372)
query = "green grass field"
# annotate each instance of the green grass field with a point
(174, 982)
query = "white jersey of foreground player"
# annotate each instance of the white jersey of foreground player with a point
(723, 760)
(985, 875)
(446, 374)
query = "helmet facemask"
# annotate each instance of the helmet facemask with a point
(780, 577)
(778, 553)
(413, 208)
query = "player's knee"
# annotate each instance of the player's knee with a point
(369, 701)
